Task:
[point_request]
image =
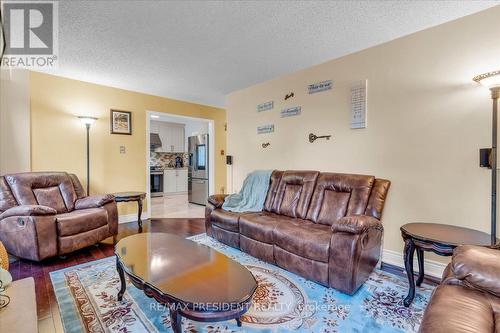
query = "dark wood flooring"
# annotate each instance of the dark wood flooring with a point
(45, 297)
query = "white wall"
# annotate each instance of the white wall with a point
(14, 121)
(427, 120)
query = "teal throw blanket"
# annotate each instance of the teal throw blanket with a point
(252, 194)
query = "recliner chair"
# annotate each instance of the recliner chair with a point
(45, 214)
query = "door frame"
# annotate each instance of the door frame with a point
(211, 150)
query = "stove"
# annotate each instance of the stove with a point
(156, 181)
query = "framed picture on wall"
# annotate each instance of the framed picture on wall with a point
(121, 122)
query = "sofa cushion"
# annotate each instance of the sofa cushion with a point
(6, 198)
(23, 184)
(79, 221)
(304, 238)
(376, 201)
(274, 182)
(260, 226)
(50, 197)
(294, 193)
(458, 309)
(225, 219)
(337, 195)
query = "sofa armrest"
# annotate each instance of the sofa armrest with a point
(28, 210)
(477, 268)
(217, 200)
(94, 201)
(357, 224)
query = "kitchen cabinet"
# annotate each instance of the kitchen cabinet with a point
(175, 181)
(169, 181)
(154, 127)
(182, 180)
(171, 135)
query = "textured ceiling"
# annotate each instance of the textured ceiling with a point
(201, 50)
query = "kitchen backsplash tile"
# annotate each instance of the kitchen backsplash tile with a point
(166, 160)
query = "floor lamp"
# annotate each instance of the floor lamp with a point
(491, 81)
(87, 121)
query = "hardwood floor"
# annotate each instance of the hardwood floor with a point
(48, 313)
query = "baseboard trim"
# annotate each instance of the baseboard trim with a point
(431, 267)
(131, 217)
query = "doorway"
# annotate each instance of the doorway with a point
(176, 188)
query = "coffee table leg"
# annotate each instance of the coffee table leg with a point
(408, 257)
(139, 213)
(176, 320)
(420, 257)
(123, 284)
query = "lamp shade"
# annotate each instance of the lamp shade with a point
(490, 80)
(87, 120)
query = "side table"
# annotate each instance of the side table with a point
(441, 239)
(132, 196)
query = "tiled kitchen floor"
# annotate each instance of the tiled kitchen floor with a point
(175, 206)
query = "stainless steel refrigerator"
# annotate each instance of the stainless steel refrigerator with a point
(198, 169)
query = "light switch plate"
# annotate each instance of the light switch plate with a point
(122, 150)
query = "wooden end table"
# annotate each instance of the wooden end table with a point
(441, 239)
(132, 196)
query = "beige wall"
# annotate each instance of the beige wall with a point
(58, 138)
(426, 123)
(14, 121)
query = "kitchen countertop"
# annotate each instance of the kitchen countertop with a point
(163, 169)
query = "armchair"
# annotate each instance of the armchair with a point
(44, 214)
(468, 298)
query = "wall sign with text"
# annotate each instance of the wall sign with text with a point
(320, 86)
(290, 112)
(265, 106)
(264, 129)
(358, 104)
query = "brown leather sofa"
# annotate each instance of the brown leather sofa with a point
(468, 298)
(44, 214)
(323, 226)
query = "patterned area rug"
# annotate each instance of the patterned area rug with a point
(283, 302)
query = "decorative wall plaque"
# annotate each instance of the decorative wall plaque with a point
(358, 104)
(320, 86)
(290, 112)
(265, 106)
(264, 129)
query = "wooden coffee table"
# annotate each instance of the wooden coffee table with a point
(441, 239)
(192, 280)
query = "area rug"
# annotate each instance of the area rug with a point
(283, 302)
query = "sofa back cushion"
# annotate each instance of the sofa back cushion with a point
(6, 198)
(376, 202)
(294, 193)
(80, 192)
(50, 197)
(337, 195)
(271, 192)
(53, 189)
